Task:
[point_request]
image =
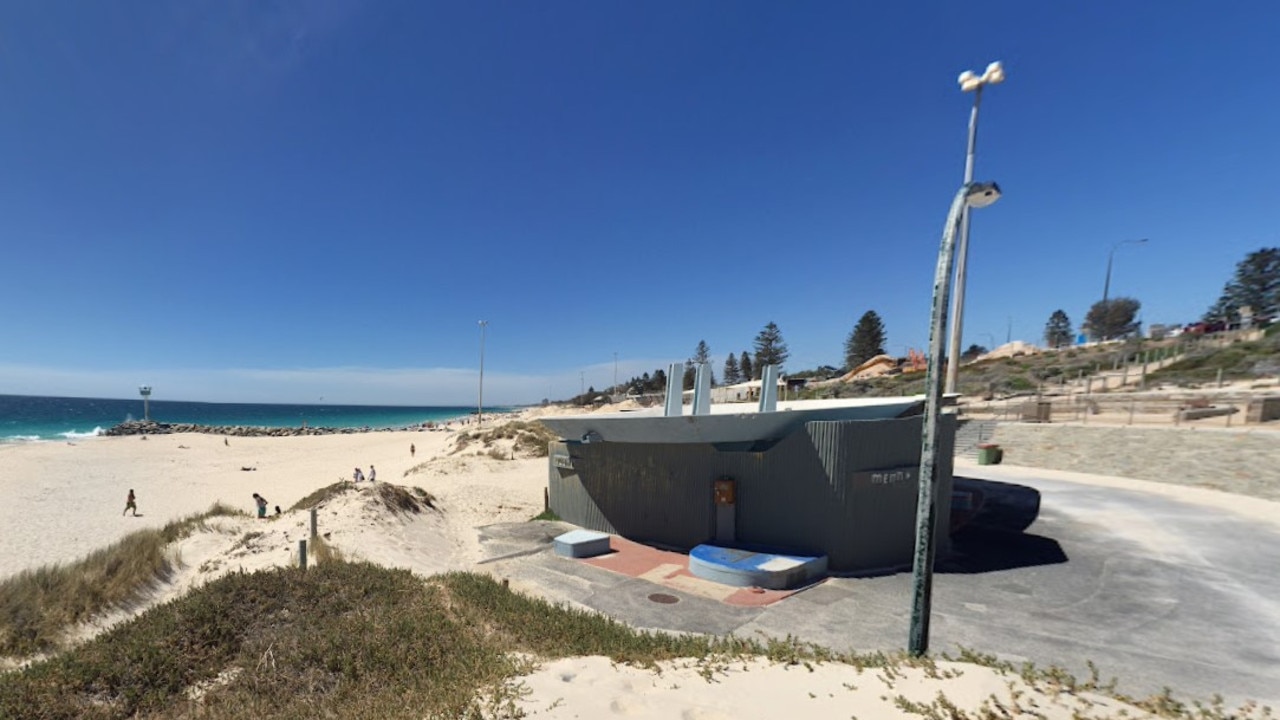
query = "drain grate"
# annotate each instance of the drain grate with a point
(664, 598)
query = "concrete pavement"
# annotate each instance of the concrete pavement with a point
(1157, 588)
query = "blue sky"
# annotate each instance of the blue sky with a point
(279, 201)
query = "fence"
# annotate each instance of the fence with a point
(1212, 409)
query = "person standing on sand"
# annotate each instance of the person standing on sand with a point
(357, 476)
(130, 503)
(373, 474)
(412, 449)
(262, 505)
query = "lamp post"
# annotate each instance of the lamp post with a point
(969, 82)
(480, 396)
(971, 195)
(615, 373)
(1106, 286)
(145, 391)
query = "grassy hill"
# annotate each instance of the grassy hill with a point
(1203, 357)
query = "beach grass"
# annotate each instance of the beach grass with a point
(528, 438)
(356, 640)
(38, 606)
(351, 640)
(323, 494)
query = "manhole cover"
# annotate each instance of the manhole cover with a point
(664, 598)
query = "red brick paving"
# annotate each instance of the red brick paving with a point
(671, 569)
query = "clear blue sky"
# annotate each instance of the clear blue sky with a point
(282, 201)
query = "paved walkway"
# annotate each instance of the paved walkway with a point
(1154, 584)
(671, 569)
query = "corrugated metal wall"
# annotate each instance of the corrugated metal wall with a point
(809, 492)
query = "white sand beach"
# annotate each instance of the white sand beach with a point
(64, 500)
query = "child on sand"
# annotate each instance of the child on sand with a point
(130, 503)
(262, 505)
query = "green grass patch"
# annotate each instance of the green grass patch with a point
(355, 640)
(327, 492)
(547, 514)
(38, 606)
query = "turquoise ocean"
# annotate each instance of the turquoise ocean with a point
(26, 418)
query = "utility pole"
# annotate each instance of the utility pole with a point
(480, 397)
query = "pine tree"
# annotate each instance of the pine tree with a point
(745, 369)
(1256, 285)
(731, 371)
(865, 341)
(702, 353)
(770, 348)
(1057, 332)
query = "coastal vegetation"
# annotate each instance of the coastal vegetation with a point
(1201, 359)
(517, 438)
(865, 341)
(38, 606)
(356, 640)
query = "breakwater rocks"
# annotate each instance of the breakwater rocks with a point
(143, 427)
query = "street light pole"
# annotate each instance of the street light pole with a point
(1106, 286)
(615, 373)
(970, 195)
(993, 75)
(480, 397)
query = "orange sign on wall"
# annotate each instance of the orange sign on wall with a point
(725, 491)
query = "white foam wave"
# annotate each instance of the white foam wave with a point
(72, 435)
(20, 438)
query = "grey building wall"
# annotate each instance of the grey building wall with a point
(827, 488)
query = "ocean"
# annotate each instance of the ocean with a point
(31, 418)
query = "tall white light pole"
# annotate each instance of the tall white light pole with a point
(971, 195)
(480, 397)
(969, 82)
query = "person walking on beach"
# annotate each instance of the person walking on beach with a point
(373, 474)
(262, 505)
(357, 476)
(130, 503)
(412, 449)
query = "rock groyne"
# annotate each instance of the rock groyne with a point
(151, 427)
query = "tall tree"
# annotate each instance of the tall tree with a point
(745, 367)
(1114, 318)
(1057, 332)
(770, 348)
(731, 370)
(701, 356)
(702, 353)
(865, 341)
(1256, 285)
